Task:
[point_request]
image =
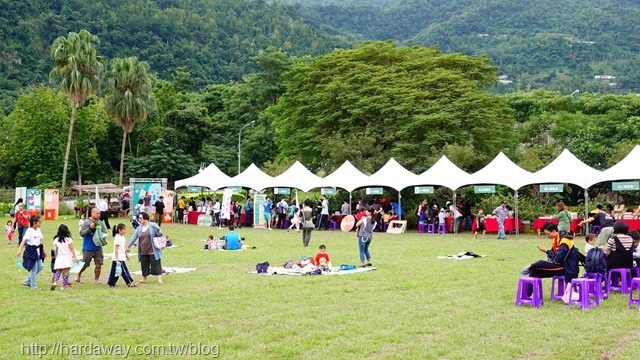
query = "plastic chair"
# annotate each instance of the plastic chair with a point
(583, 287)
(522, 297)
(596, 229)
(599, 278)
(619, 280)
(635, 285)
(431, 228)
(442, 228)
(421, 228)
(333, 225)
(557, 291)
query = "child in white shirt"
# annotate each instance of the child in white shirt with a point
(120, 256)
(591, 241)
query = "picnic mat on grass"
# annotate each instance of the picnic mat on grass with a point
(334, 271)
(169, 270)
(463, 255)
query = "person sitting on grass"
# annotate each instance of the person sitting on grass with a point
(232, 240)
(562, 258)
(322, 258)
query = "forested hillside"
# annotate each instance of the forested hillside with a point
(558, 45)
(215, 40)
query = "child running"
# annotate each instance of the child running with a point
(10, 230)
(120, 256)
(63, 247)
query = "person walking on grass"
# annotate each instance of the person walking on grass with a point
(501, 212)
(91, 251)
(148, 254)
(307, 222)
(267, 211)
(365, 226)
(103, 205)
(480, 225)
(159, 206)
(65, 256)
(33, 252)
(120, 257)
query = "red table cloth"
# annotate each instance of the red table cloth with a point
(539, 223)
(491, 225)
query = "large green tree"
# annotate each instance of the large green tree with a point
(380, 100)
(77, 68)
(129, 97)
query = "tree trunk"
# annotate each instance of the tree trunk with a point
(74, 106)
(124, 143)
(75, 149)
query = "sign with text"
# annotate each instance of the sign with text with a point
(625, 185)
(551, 188)
(374, 191)
(328, 191)
(282, 191)
(484, 189)
(423, 190)
(235, 189)
(194, 189)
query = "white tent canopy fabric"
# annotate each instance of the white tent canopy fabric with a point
(566, 168)
(393, 175)
(444, 173)
(252, 178)
(627, 169)
(299, 177)
(346, 177)
(211, 177)
(501, 171)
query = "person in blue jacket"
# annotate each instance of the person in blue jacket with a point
(149, 255)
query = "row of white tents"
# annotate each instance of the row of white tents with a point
(566, 168)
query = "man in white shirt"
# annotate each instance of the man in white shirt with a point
(103, 206)
(323, 221)
(216, 212)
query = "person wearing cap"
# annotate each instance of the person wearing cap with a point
(501, 212)
(441, 217)
(606, 222)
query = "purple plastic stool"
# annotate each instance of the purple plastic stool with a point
(431, 228)
(557, 291)
(599, 278)
(522, 297)
(442, 228)
(596, 230)
(333, 225)
(635, 285)
(619, 280)
(635, 271)
(385, 226)
(582, 286)
(421, 228)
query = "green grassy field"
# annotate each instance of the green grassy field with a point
(413, 307)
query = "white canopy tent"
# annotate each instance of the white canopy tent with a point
(299, 177)
(346, 177)
(627, 169)
(252, 178)
(394, 175)
(211, 177)
(444, 173)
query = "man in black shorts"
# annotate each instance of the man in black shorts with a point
(89, 249)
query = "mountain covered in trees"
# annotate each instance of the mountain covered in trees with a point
(559, 45)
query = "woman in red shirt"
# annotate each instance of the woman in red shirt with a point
(21, 219)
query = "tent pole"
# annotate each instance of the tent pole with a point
(586, 210)
(516, 215)
(350, 204)
(399, 206)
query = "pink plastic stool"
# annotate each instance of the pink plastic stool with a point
(619, 280)
(442, 228)
(522, 297)
(635, 285)
(582, 286)
(431, 228)
(557, 291)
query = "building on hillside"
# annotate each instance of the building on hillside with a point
(604, 77)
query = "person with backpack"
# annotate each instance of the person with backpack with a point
(562, 258)
(619, 248)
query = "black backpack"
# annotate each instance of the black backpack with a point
(596, 262)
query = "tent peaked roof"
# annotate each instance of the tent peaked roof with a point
(252, 178)
(567, 168)
(346, 177)
(502, 171)
(210, 177)
(393, 175)
(626, 169)
(444, 173)
(297, 176)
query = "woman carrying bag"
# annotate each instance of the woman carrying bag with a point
(307, 222)
(149, 254)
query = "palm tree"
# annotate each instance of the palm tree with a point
(129, 96)
(77, 66)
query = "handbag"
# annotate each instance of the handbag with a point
(160, 242)
(308, 224)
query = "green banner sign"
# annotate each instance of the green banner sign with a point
(328, 191)
(194, 189)
(625, 185)
(374, 191)
(235, 189)
(551, 188)
(423, 190)
(282, 191)
(484, 189)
